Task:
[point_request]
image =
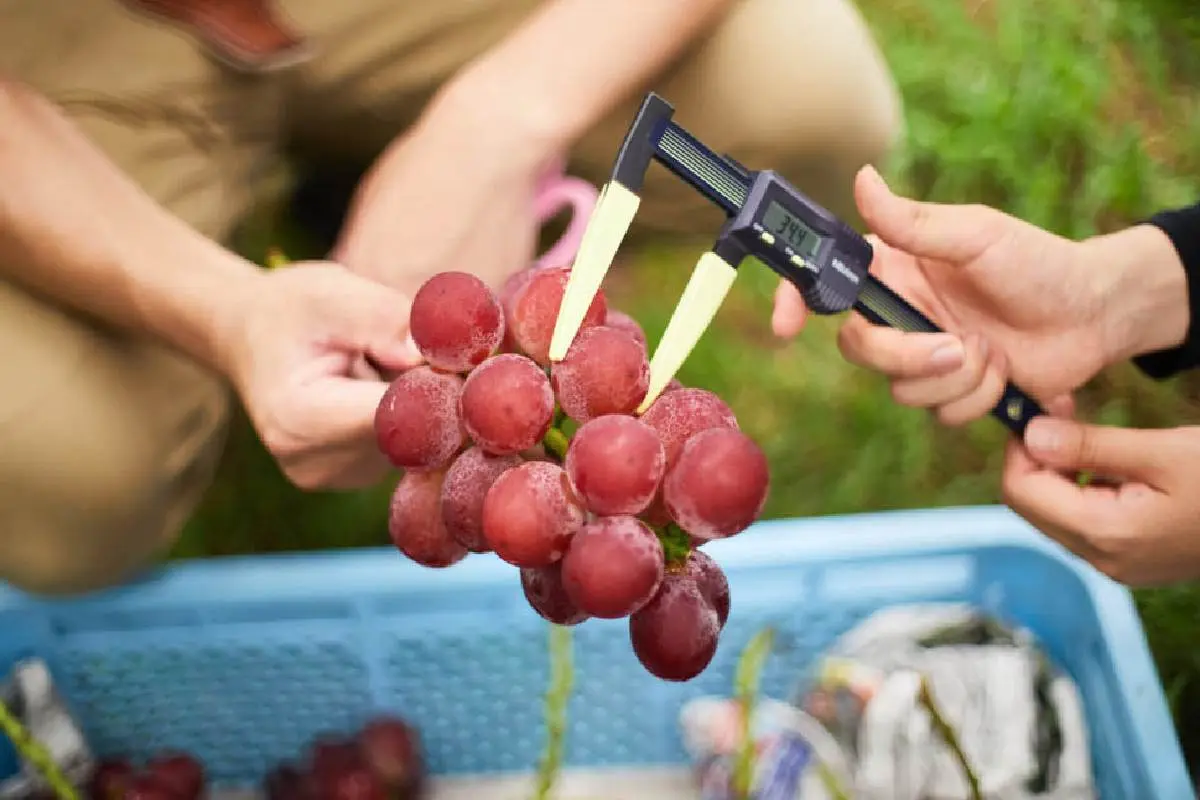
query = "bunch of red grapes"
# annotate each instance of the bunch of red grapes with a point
(166, 776)
(549, 466)
(383, 761)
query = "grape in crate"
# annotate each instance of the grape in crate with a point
(600, 511)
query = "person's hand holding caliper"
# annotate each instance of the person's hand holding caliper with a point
(990, 300)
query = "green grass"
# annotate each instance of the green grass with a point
(1073, 114)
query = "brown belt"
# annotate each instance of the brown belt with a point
(250, 36)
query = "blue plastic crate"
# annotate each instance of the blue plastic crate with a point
(243, 660)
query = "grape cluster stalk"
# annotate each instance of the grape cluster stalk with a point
(548, 466)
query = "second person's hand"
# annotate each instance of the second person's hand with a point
(1018, 303)
(1139, 526)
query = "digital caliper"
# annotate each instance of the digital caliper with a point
(768, 218)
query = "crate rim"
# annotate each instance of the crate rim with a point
(850, 537)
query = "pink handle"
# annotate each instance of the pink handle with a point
(555, 192)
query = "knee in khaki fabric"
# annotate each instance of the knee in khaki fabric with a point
(800, 88)
(107, 443)
(379, 63)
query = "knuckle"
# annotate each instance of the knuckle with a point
(955, 416)
(277, 443)
(962, 387)
(284, 446)
(1085, 448)
(902, 393)
(981, 368)
(306, 478)
(981, 397)
(921, 217)
(849, 341)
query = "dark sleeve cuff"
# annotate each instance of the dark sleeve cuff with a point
(1182, 227)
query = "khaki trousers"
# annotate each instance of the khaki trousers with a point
(107, 443)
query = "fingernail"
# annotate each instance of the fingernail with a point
(948, 356)
(1043, 436)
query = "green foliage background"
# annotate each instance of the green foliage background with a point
(1078, 115)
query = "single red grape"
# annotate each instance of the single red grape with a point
(615, 463)
(535, 311)
(150, 787)
(110, 779)
(604, 372)
(613, 567)
(621, 320)
(391, 749)
(711, 581)
(675, 635)
(530, 514)
(331, 752)
(353, 783)
(718, 485)
(183, 772)
(463, 491)
(680, 414)
(544, 590)
(336, 764)
(508, 293)
(456, 321)
(288, 782)
(415, 521)
(417, 424)
(507, 404)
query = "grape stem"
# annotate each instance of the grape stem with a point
(830, 782)
(556, 443)
(276, 259)
(946, 731)
(676, 544)
(33, 752)
(558, 695)
(745, 684)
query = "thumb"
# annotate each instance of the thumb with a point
(378, 318)
(934, 230)
(1123, 453)
(790, 313)
(343, 409)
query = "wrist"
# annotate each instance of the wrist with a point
(239, 287)
(478, 105)
(196, 308)
(1145, 295)
(573, 62)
